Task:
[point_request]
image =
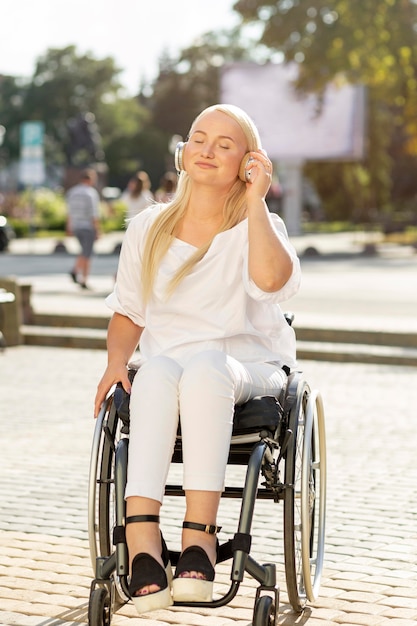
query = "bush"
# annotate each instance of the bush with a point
(20, 227)
(43, 210)
(50, 210)
(113, 216)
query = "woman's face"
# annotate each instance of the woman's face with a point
(215, 150)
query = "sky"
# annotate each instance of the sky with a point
(134, 32)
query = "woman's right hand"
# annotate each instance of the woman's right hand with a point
(113, 374)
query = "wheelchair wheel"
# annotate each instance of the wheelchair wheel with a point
(264, 613)
(305, 497)
(99, 611)
(101, 494)
(101, 482)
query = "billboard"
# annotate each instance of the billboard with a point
(296, 126)
(31, 166)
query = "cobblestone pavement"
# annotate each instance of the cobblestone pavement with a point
(370, 573)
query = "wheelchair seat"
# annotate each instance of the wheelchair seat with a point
(258, 414)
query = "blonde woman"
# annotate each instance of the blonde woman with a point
(198, 289)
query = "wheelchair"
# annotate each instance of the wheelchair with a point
(280, 444)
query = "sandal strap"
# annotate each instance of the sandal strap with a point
(210, 529)
(133, 519)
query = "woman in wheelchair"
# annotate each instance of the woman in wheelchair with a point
(198, 289)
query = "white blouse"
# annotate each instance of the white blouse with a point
(217, 306)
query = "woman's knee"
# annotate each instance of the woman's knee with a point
(207, 369)
(156, 373)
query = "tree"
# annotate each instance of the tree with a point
(191, 82)
(86, 117)
(372, 42)
(121, 123)
(65, 88)
(12, 93)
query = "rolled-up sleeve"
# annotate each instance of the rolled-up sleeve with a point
(126, 297)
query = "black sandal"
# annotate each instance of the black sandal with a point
(147, 571)
(195, 559)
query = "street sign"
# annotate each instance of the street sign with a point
(32, 165)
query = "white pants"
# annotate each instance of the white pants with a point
(204, 394)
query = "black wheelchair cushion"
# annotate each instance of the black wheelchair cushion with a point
(260, 413)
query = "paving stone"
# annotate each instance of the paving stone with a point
(370, 574)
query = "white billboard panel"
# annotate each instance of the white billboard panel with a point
(294, 126)
(31, 165)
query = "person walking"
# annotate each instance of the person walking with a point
(198, 287)
(83, 203)
(137, 195)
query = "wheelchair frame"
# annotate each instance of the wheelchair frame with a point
(294, 449)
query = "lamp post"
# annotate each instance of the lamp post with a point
(3, 175)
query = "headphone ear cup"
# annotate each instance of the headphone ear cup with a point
(178, 156)
(243, 174)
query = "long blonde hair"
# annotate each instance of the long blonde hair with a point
(162, 231)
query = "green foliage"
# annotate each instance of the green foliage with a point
(113, 216)
(371, 42)
(120, 123)
(64, 85)
(331, 227)
(189, 84)
(44, 211)
(46, 208)
(20, 227)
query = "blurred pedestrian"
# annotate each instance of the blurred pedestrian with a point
(83, 202)
(167, 188)
(137, 195)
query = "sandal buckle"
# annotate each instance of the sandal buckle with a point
(211, 529)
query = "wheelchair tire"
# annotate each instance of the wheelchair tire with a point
(304, 502)
(264, 613)
(99, 608)
(101, 496)
(313, 495)
(101, 483)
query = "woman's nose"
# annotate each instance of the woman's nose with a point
(207, 151)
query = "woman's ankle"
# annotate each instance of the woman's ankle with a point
(144, 538)
(201, 539)
(143, 534)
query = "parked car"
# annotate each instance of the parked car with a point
(6, 233)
